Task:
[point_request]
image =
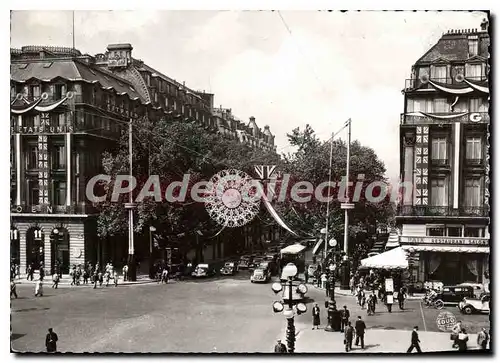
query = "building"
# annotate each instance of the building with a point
(444, 155)
(67, 108)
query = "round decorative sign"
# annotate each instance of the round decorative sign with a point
(332, 242)
(45, 96)
(69, 95)
(446, 321)
(77, 252)
(231, 199)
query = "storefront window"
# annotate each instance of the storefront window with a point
(435, 231)
(473, 232)
(454, 231)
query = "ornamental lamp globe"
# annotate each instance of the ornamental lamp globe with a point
(288, 313)
(290, 270)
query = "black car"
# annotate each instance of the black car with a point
(455, 294)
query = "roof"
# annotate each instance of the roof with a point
(71, 70)
(389, 260)
(293, 249)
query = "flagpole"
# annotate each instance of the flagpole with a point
(328, 200)
(73, 32)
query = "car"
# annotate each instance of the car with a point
(245, 262)
(256, 261)
(455, 293)
(203, 270)
(311, 270)
(478, 288)
(469, 306)
(230, 268)
(260, 274)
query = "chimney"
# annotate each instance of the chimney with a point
(484, 25)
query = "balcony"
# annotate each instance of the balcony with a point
(440, 163)
(434, 211)
(474, 162)
(411, 84)
(470, 118)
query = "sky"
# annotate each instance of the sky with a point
(287, 68)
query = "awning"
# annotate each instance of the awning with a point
(389, 260)
(393, 241)
(293, 249)
(463, 249)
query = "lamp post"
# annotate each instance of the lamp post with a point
(289, 272)
(151, 272)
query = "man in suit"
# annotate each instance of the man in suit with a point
(344, 318)
(348, 336)
(51, 341)
(360, 328)
(415, 342)
(279, 347)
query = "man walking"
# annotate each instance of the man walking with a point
(360, 328)
(316, 317)
(348, 336)
(344, 318)
(55, 280)
(280, 347)
(401, 298)
(415, 342)
(30, 272)
(482, 339)
(41, 272)
(51, 341)
(13, 288)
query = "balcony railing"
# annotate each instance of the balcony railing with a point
(474, 162)
(471, 118)
(427, 210)
(440, 162)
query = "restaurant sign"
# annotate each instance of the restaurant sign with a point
(477, 241)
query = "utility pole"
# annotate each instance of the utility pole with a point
(328, 201)
(347, 206)
(132, 266)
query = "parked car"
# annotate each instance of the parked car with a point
(260, 274)
(203, 270)
(256, 261)
(478, 288)
(229, 268)
(245, 262)
(455, 294)
(470, 305)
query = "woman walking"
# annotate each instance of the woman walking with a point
(316, 316)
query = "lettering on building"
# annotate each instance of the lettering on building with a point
(444, 241)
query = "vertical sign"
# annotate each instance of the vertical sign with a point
(43, 170)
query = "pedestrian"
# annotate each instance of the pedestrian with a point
(389, 299)
(100, 278)
(41, 272)
(280, 347)
(18, 271)
(401, 298)
(51, 341)
(348, 336)
(317, 276)
(95, 279)
(72, 273)
(415, 341)
(13, 290)
(316, 316)
(352, 285)
(39, 288)
(115, 278)
(55, 281)
(30, 271)
(164, 276)
(344, 318)
(482, 338)
(327, 287)
(107, 277)
(363, 299)
(463, 338)
(125, 272)
(306, 274)
(455, 331)
(360, 328)
(85, 276)
(323, 281)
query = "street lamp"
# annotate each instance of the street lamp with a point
(289, 272)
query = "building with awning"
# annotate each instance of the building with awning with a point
(390, 260)
(443, 212)
(293, 249)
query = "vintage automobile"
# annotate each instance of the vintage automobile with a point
(203, 270)
(479, 289)
(260, 274)
(230, 268)
(481, 305)
(451, 295)
(256, 261)
(245, 262)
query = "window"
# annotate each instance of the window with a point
(473, 232)
(59, 91)
(156, 97)
(473, 71)
(472, 193)
(438, 73)
(59, 195)
(440, 105)
(439, 146)
(439, 192)
(34, 91)
(417, 105)
(59, 157)
(435, 231)
(478, 105)
(473, 148)
(36, 120)
(175, 105)
(166, 102)
(473, 46)
(454, 232)
(33, 192)
(182, 109)
(32, 158)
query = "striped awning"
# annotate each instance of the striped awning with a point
(462, 249)
(389, 260)
(393, 241)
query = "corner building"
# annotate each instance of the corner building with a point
(444, 155)
(67, 108)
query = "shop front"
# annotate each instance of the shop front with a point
(448, 260)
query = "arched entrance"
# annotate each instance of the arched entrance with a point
(59, 247)
(15, 247)
(34, 247)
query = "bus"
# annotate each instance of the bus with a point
(296, 254)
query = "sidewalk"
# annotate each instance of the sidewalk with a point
(66, 280)
(376, 341)
(342, 292)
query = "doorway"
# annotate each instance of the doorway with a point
(34, 247)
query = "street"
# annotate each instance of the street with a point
(227, 314)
